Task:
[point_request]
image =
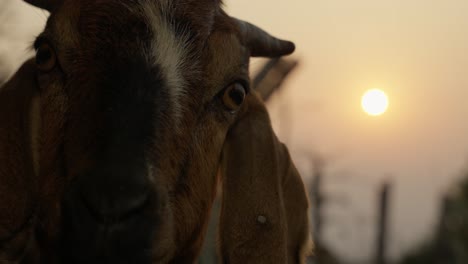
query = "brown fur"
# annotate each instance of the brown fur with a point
(260, 180)
(18, 184)
(183, 159)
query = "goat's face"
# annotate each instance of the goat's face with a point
(136, 100)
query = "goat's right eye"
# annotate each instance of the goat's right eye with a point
(234, 96)
(45, 57)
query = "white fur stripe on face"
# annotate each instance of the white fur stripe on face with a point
(168, 52)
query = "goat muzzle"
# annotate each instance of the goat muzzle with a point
(108, 218)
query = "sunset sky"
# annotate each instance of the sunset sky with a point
(414, 50)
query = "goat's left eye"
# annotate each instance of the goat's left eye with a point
(234, 96)
(45, 57)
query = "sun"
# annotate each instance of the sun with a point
(374, 102)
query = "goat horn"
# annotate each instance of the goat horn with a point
(48, 5)
(262, 44)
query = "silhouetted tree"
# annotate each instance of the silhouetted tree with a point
(450, 243)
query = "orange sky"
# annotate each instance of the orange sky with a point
(414, 50)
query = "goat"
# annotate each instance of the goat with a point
(111, 138)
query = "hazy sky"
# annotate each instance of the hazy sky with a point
(415, 50)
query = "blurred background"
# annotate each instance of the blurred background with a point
(390, 188)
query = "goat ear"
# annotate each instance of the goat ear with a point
(48, 5)
(262, 44)
(264, 215)
(17, 181)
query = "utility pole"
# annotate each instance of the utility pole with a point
(384, 197)
(443, 252)
(317, 199)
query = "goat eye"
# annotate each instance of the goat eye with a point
(234, 96)
(45, 57)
